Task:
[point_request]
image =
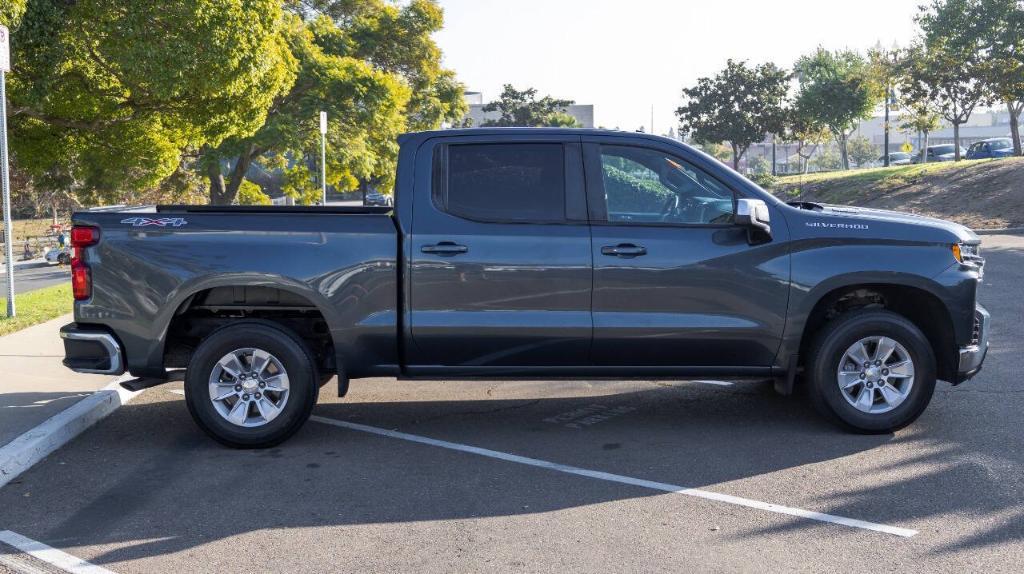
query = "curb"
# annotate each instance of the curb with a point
(30, 264)
(1007, 231)
(33, 446)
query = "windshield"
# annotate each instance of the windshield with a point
(942, 149)
(1000, 144)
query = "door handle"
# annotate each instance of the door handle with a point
(624, 250)
(445, 248)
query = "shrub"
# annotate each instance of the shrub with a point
(627, 193)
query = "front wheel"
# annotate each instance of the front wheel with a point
(872, 371)
(252, 384)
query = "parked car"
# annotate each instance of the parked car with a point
(376, 198)
(532, 253)
(942, 152)
(895, 158)
(60, 255)
(991, 148)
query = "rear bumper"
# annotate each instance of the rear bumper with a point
(972, 356)
(91, 350)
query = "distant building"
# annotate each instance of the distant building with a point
(584, 113)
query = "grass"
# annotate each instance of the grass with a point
(896, 175)
(23, 228)
(851, 186)
(36, 307)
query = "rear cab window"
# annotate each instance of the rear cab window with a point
(498, 182)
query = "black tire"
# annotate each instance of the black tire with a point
(827, 351)
(280, 342)
(64, 259)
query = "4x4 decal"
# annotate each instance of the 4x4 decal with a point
(160, 222)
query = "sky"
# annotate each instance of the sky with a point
(625, 56)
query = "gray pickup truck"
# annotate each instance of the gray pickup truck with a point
(530, 253)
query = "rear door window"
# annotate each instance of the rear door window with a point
(520, 182)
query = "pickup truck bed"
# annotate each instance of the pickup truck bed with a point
(325, 270)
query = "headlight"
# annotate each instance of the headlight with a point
(967, 253)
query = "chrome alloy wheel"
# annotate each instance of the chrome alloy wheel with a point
(876, 374)
(249, 387)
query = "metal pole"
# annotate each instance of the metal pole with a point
(5, 184)
(323, 155)
(886, 151)
(323, 165)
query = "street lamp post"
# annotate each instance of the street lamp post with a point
(888, 100)
(323, 155)
(5, 183)
(885, 151)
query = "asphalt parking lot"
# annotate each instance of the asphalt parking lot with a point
(576, 476)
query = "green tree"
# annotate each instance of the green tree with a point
(374, 68)
(837, 88)
(251, 194)
(919, 117)
(522, 108)
(989, 36)
(718, 150)
(944, 65)
(862, 151)
(804, 129)
(103, 104)
(740, 105)
(11, 11)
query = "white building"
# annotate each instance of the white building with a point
(584, 113)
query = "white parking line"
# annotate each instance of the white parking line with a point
(664, 487)
(719, 383)
(50, 555)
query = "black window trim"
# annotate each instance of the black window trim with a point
(574, 188)
(596, 196)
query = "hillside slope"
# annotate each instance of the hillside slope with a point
(983, 194)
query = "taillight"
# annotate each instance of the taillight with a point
(81, 278)
(84, 236)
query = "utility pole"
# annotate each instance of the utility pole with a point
(885, 151)
(888, 100)
(5, 182)
(774, 170)
(323, 155)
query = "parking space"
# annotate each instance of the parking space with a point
(576, 476)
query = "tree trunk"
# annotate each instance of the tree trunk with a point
(242, 164)
(956, 141)
(216, 183)
(735, 157)
(924, 149)
(844, 153)
(1014, 110)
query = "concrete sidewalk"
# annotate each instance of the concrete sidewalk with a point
(28, 264)
(34, 385)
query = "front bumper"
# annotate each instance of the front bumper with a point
(973, 355)
(91, 350)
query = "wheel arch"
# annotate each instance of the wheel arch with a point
(913, 297)
(182, 298)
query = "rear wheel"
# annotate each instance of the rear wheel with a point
(251, 385)
(871, 371)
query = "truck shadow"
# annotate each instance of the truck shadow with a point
(163, 487)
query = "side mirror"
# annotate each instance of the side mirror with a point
(754, 213)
